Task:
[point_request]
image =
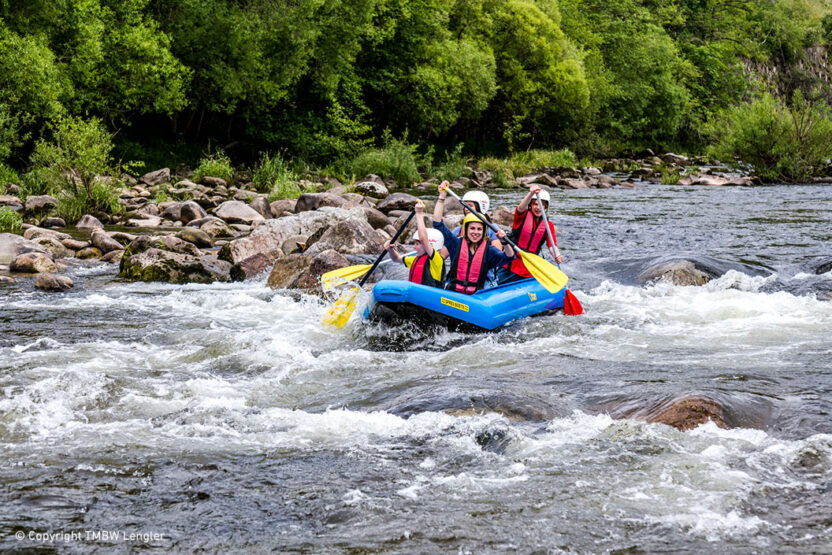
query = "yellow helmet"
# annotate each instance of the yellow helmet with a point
(469, 219)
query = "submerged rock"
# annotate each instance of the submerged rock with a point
(51, 282)
(689, 412)
(678, 272)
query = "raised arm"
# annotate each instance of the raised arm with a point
(391, 250)
(524, 204)
(422, 231)
(439, 211)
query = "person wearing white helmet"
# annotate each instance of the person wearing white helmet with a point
(472, 256)
(529, 232)
(482, 203)
(427, 265)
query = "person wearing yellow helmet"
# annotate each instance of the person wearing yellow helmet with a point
(427, 266)
(471, 255)
(529, 232)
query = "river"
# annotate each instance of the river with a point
(223, 418)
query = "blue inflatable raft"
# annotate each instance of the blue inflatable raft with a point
(485, 310)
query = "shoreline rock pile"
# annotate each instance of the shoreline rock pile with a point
(217, 231)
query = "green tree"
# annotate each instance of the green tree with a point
(30, 90)
(76, 166)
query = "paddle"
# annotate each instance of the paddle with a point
(350, 273)
(340, 312)
(571, 304)
(549, 277)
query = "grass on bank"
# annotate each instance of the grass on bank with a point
(216, 164)
(505, 170)
(7, 175)
(10, 221)
(275, 176)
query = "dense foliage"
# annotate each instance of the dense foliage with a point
(322, 80)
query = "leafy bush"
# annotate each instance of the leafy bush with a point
(214, 165)
(100, 198)
(670, 175)
(397, 160)
(274, 176)
(782, 143)
(10, 221)
(455, 165)
(503, 178)
(72, 167)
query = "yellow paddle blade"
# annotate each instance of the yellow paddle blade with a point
(343, 275)
(340, 312)
(545, 272)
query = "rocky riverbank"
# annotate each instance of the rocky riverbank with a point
(219, 231)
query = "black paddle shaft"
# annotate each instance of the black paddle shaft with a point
(485, 221)
(381, 256)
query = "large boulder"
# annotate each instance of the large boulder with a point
(53, 222)
(171, 260)
(280, 206)
(215, 227)
(158, 265)
(40, 203)
(103, 242)
(502, 216)
(165, 243)
(262, 206)
(371, 189)
(196, 236)
(190, 211)
(348, 237)
(12, 202)
(34, 233)
(12, 246)
(678, 272)
(288, 270)
(314, 201)
(398, 201)
(268, 238)
(89, 222)
(54, 246)
(376, 218)
(298, 271)
(172, 211)
(34, 263)
(238, 212)
(51, 282)
(156, 177)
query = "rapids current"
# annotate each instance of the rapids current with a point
(224, 417)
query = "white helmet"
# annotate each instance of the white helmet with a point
(436, 239)
(480, 198)
(544, 196)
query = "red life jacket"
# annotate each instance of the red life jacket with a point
(469, 271)
(420, 272)
(527, 237)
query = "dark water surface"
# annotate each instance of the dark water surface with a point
(224, 418)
